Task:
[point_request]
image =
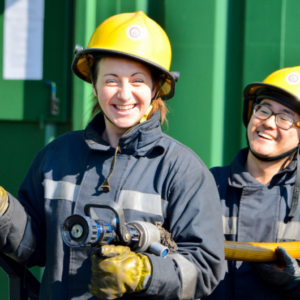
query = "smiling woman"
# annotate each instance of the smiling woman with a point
(122, 156)
(157, 105)
(124, 90)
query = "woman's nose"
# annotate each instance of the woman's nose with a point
(125, 92)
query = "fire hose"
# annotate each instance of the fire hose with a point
(81, 231)
(258, 252)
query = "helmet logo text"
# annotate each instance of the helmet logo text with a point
(293, 78)
(136, 32)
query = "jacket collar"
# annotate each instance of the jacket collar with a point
(140, 140)
(239, 177)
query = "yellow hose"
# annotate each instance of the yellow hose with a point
(258, 252)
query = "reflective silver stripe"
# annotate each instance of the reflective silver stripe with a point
(149, 203)
(188, 275)
(290, 230)
(60, 190)
(27, 244)
(230, 225)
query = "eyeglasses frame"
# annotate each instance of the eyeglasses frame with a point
(275, 114)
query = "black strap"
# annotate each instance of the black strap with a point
(105, 186)
(295, 200)
(22, 284)
(273, 158)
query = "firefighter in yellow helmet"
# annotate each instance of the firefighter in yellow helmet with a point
(121, 156)
(259, 191)
(135, 37)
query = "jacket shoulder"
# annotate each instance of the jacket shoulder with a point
(68, 137)
(221, 175)
(66, 140)
(63, 146)
(179, 151)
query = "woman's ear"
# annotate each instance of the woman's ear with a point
(154, 90)
(153, 93)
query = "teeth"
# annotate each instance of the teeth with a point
(124, 107)
(266, 136)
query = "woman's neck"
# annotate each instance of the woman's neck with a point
(112, 133)
(263, 171)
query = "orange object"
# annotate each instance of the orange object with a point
(258, 252)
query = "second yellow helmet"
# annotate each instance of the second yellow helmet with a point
(282, 86)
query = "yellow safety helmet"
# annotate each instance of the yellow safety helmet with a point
(134, 36)
(282, 86)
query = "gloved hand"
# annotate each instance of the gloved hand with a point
(118, 270)
(285, 272)
(3, 201)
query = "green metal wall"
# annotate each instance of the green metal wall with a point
(219, 46)
(26, 124)
(199, 50)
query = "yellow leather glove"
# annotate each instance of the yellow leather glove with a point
(118, 271)
(3, 201)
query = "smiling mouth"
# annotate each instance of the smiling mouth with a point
(265, 136)
(124, 108)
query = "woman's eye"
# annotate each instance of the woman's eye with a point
(110, 81)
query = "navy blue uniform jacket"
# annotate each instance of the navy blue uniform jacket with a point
(254, 212)
(156, 179)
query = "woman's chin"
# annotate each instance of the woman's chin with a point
(124, 125)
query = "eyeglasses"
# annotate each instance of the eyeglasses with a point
(283, 121)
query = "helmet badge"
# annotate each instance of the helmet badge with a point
(293, 78)
(136, 32)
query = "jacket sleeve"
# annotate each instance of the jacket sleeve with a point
(22, 228)
(194, 220)
(295, 293)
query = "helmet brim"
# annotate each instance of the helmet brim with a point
(81, 68)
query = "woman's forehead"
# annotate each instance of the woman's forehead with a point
(122, 64)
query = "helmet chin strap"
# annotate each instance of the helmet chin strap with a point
(107, 118)
(273, 158)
